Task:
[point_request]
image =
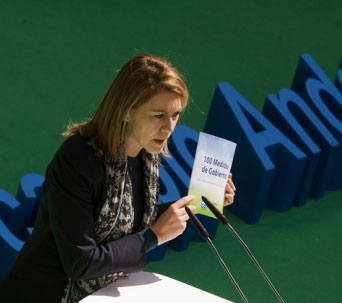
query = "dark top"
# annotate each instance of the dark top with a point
(135, 170)
(63, 243)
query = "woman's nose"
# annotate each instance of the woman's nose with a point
(169, 125)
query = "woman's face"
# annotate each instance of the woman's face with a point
(150, 125)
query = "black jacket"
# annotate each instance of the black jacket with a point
(63, 240)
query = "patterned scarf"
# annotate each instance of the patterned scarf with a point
(117, 216)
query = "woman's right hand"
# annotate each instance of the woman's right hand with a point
(172, 222)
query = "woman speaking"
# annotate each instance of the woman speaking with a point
(98, 214)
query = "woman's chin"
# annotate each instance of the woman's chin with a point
(154, 150)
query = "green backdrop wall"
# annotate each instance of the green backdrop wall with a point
(58, 58)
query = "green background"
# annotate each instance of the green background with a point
(59, 57)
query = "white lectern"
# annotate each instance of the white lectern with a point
(150, 288)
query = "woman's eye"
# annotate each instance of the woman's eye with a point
(175, 115)
(161, 116)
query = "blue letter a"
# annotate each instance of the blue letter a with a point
(267, 167)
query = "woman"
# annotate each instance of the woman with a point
(98, 214)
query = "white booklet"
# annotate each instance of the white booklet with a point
(212, 164)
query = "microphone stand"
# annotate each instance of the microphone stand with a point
(225, 222)
(227, 270)
(205, 235)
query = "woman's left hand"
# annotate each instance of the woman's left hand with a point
(230, 191)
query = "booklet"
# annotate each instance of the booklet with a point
(213, 160)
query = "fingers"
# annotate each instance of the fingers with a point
(230, 191)
(228, 199)
(183, 201)
(172, 222)
(178, 209)
(185, 215)
(192, 208)
(230, 181)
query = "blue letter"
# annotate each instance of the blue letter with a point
(28, 195)
(291, 114)
(10, 244)
(326, 101)
(267, 166)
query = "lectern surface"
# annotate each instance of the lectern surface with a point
(151, 288)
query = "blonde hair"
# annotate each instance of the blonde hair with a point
(137, 81)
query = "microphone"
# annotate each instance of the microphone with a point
(198, 225)
(225, 222)
(215, 211)
(205, 235)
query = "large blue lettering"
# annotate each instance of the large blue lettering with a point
(291, 114)
(267, 166)
(10, 244)
(183, 143)
(326, 101)
(17, 217)
(28, 194)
